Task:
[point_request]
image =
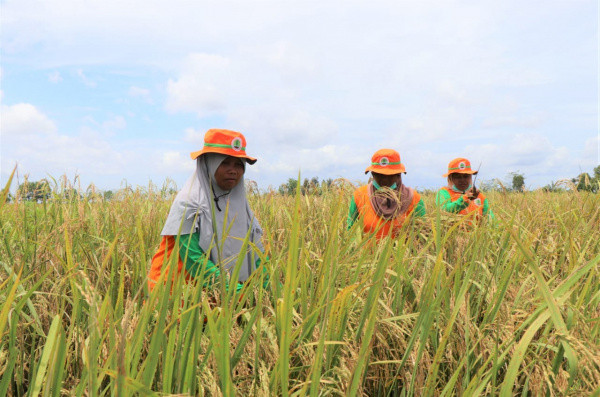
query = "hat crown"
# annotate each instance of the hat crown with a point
(386, 161)
(228, 142)
(459, 165)
(385, 157)
(225, 137)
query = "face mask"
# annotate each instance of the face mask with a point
(460, 191)
(377, 187)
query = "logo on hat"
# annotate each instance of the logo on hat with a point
(384, 161)
(236, 144)
(478, 202)
(462, 165)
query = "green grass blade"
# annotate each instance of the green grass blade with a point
(49, 346)
(6, 306)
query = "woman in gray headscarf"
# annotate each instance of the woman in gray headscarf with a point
(211, 216)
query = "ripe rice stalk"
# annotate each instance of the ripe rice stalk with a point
(285, 304)
(369, 320)
(460, 311)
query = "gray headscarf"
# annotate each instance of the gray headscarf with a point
(191, 211)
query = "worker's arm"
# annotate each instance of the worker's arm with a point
(444, 201)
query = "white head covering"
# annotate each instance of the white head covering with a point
(191, 211)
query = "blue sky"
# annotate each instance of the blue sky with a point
(117, 91)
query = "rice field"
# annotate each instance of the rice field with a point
(511, 308)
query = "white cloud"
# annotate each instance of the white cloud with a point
(55, 77)
(591, 152)
(289, 59)
(317, 160)
(292, 128)
(138, 92)
(430, 79)
(446, 122)
(528, 121)
(194, 136)
(84, 79)
(507, 111)
(532, 154)
(113, 124)
(203, 85)
(300, 127)
(23, 120)
(32, 139)
(174, 161)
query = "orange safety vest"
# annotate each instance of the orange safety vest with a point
(166, 248)
(474, 205)
(372, 222)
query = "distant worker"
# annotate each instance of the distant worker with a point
(211, 204)
(384, 204)
(461, 196)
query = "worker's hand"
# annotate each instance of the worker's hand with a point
(473, 193)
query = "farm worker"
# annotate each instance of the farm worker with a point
(460, 196)
(212, 199)
(384, 203)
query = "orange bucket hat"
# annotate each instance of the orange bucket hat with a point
(459, 165)
(230, 143)
(387, 162)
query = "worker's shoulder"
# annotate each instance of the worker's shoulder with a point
(361, 194)
(361, 190)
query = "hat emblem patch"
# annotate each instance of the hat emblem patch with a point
(462, 165)
(384, 161)
(478, 202)
(236, 144)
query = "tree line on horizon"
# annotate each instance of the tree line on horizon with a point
(38, 191)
